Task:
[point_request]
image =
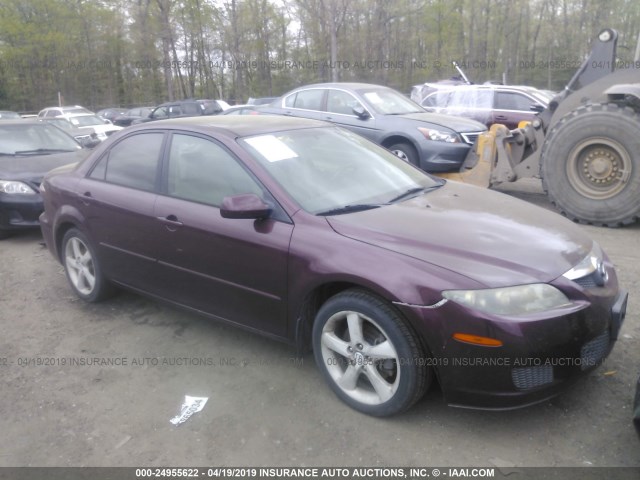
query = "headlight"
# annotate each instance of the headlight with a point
(587, 265)
(16, 188)
(519, 300)
(439, 135)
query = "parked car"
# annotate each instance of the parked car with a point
(244, 110)
(313, 235)
(489, 104)
(111, 113)
(419, 92)
(87, 137)
(8, 115)
(636, 408)
(435, 143)
(183, 108)
(57, 111)
(91, 122)
(129, 116)
(261, 100)
(28, 150)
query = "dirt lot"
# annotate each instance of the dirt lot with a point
(265, 407)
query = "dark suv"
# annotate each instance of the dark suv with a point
(487, 104)
(182, 108)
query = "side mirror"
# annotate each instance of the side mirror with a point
(108, 122)
(360, 112)
(87, 142)
(536, 108)
(247, 205)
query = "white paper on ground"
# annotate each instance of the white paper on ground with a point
(190, 406)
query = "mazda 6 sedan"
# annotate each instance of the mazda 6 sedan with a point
(310, 234)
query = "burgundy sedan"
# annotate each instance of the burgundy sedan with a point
(312, 235)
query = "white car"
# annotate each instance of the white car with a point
(57, 111)
(103, 128)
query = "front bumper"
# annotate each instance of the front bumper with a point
(438, 157)
(19, 212)
(539, 358)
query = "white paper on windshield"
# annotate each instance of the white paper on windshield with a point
(373, 97)
(271, 148)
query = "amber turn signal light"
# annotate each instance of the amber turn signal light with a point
(477, 340)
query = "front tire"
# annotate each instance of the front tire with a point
(82, 267)
(368, 355)
(590, 165)
(406, 152)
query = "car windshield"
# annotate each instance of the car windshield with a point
(389, 102)
(330, 170)
(32, 138)
(61, 123)
(86, 121)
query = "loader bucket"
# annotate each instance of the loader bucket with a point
(477, 167)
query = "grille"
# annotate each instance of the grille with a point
(594, 279)
(470, 137)
(594, 351)
(531, 377)
(587, 282)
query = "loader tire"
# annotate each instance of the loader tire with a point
(590, 165)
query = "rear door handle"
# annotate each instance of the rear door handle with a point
(170, 221)
(87, 199)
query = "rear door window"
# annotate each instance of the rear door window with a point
(309, 99)
(514, 101)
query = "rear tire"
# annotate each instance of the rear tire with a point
(82, 267)
(590, 165)
(368, 355)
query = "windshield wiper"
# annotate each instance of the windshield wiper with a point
(349, 209)
(413, 192)
(42, 150)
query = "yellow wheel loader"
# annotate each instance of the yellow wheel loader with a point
(585, 146)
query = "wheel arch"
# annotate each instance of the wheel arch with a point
(397, 138)
(67, 219)
(319, 294)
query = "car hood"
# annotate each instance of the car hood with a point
(489, 237)
(34, 167)
(458, 124)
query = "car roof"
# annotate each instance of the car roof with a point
(22, 122)
(66, 107)
(454, 88)
(78, 114)
(349, 85)
(234, 126)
